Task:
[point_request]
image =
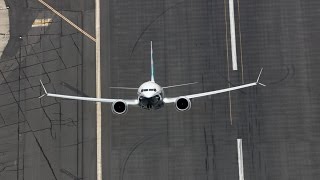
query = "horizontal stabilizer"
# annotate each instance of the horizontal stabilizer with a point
(179, 85)
(124, 88)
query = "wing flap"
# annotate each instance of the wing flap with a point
(191, 96)
(103, 100)
(82, 98)
(220, 91)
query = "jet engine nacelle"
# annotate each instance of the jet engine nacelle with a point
(183, 104)
(119, 107)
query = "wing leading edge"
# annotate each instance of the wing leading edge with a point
(103, 100)
(191, 96)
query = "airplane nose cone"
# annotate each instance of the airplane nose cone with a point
(148, 94)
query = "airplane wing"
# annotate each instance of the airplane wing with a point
(103, 100)
(191, 96)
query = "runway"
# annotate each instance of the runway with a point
(278, 123)
(55, 139)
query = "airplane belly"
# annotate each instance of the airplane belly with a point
(150, 103)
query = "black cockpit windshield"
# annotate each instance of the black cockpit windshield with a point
(143, 90)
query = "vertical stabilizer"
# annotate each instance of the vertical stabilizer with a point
(152, 70)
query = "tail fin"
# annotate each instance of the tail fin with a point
(152, 70)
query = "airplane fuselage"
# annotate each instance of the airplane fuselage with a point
(150, 95)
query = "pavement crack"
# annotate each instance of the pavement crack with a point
(46, 114)
(75, 44)
(60, 57)
(132, 149)
(45, 156)
(73, 89)
(207, 151)
(1, 117)
(6, 167)
(69, 174)
(154, 20)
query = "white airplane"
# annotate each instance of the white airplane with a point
(151, 95)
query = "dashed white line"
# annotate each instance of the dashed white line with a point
(233, 36)
(240, 159)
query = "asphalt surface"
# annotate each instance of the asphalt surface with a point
(55, 139)
(45, 139)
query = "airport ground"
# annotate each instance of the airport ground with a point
(55, 139)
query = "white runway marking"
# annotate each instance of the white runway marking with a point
(240, 159)
(4, 8)
(4, 26)
(98, 90)
(42, 22)
(233, 36)
(67, 20)
(98, 74)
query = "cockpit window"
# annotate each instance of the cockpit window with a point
(143, 90)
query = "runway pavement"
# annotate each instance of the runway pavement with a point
(285, 137)
(278, 123)
(55, 139)
(189, 45)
